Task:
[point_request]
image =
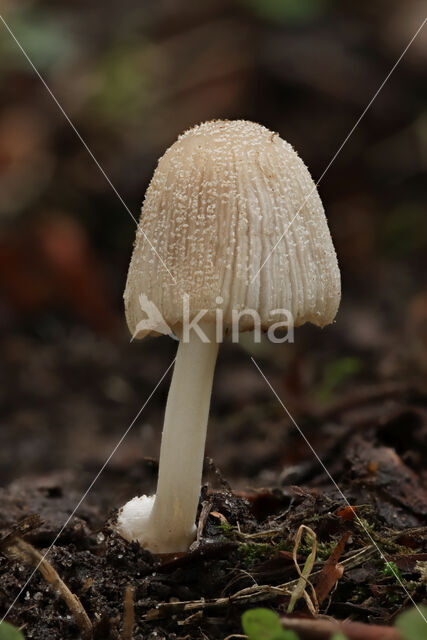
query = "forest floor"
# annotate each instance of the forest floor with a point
(370, 557)
(265, 503)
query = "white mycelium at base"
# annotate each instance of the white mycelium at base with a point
(133, 523)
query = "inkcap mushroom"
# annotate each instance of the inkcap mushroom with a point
(234, 214)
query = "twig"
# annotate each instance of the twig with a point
(323, 629)
(206, 508)
(17, 549)
(129, 614)
(269, 533)
(254, 593)
(194, 617)
(412, 531)
(354, 560)
(239, 573)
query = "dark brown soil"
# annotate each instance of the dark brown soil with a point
(372, 446)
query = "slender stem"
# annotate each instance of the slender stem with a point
(183, 441)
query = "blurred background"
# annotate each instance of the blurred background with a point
(131, 76)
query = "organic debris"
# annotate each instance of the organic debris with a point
(17, 549)
(237, 563)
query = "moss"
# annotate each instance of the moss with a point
(391, 569)
(226, 528)
(283, 545)
(255, 550)
(263, 550)
(360, 594)
(324, 549)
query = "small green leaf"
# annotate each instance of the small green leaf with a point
(412, 623)
(7, 632)
(260, 624)
(339, 636)
(264, 624)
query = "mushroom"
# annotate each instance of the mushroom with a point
(234, 214)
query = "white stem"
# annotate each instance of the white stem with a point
(183, 440)
(168, 525)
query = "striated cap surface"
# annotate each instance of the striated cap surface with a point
(234, 214)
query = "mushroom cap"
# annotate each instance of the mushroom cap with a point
(235, 216)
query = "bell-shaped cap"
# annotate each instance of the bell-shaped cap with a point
(234, 214)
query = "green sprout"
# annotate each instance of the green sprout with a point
(391, 569)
